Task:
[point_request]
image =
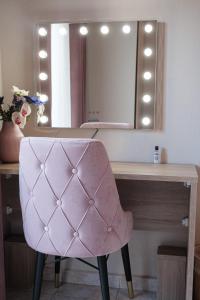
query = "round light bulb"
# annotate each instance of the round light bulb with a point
(146, 98)
(104, 29)
(44, 119)
(43, 54)
(148, 28)
(43, 76)
(146, 121)
(42, 31)
(126, 29)
(83, 30)
(148, 51)
(147, 75)
(62, 31)
(44, 98)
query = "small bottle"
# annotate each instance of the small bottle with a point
(156, 155)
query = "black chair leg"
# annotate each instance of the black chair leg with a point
(103, 274)
(40, 260)
(57, 271)
(127, 269)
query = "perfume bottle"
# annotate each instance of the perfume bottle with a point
(156, 155)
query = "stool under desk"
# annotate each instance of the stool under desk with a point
(160, 196)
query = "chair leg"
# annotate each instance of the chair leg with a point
(40, 260)
(57, 271)
(103, 274)
(127, 269)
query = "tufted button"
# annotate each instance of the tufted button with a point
(46, 228)
(74, 171)
(31, 193)
(59, 202)
(91, 202)
(42, 166)
(76, 234)
(109, 229)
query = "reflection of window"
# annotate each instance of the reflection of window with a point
(60, 76)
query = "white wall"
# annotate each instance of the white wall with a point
(181, 134)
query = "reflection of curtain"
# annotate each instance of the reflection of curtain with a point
(78, 74)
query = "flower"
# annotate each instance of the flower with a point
(20, 107)
(25, 110)
(18, 119)
(33, 99)
(18, 92)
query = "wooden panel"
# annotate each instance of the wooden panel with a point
(197, 274)
(191, 241)
(159, 107)
(44, 65)
(171, 277)
(19, 258)
(154, 86)
(144, 63)
(155, 206)
(13, 222)
(2, 273)
(155, 172)
(7, 169)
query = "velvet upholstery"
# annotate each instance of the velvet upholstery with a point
(70, 203)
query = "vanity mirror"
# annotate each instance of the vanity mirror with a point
(108, 72)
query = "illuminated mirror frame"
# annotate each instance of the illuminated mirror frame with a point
(149, 74)
(149, 78)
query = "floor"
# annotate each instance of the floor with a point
(76, 292)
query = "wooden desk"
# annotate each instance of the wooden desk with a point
(140, 172)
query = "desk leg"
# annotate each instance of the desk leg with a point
(191, 241)
(2, 269)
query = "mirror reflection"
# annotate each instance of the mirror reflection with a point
(88, 72)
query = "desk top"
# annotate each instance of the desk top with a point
(155, 172)
(137, 171)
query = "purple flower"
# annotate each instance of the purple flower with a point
(33, 100)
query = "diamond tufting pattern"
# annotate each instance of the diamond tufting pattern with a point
(70, 204)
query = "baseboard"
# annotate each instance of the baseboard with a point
(92, 278)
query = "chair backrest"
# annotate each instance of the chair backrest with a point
(70, 204)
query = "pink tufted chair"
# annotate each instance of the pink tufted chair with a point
(70, 205)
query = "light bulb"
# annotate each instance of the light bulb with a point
(146, 98)
(83, 30)
(147, 75)
(42, 31)
(104, 29)
(62, 31)
(146, 121)
(43, 76)
(148, 28)
(126, 29)
(44, 98)
(43, 54)
(148, 51)
(44, 119)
